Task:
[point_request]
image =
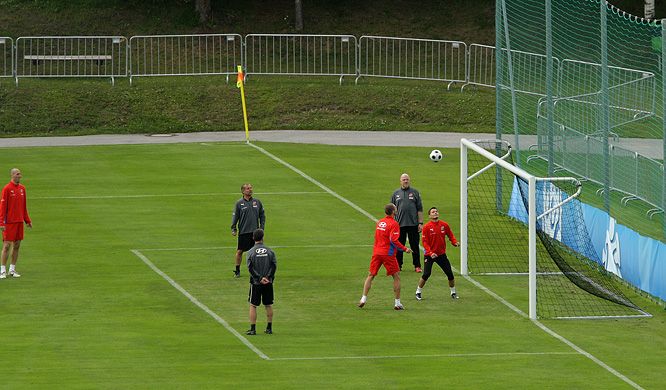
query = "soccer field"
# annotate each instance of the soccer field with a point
(127, 281)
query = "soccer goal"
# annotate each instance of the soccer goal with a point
(516, 224)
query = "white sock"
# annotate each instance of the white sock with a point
(364, 298)
(418, 290)
(397, 302)
(11, 267)
(2, 269)
(453, 290)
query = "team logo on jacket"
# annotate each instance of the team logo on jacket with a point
(381, 225)
(261, 251)
(411, 196)
(254, 204)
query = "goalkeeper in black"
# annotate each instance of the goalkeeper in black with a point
(247, 217)
(262, 264)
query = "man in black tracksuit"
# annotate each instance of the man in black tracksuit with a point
(410, 218)
(262, 264)
(248, 215)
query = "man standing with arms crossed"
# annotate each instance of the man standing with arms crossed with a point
(434, 244)
(387, 232)
(410, 217)
(13, 213)
(247, 217)
(262, 264)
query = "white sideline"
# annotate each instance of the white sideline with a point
(476, 283)
(262, 355)
(200, 305)
(450, 355)
(172, 195)
(272, 246)
(313, 181)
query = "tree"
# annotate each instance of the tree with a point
(649, 9)
(299, 15)
(204, 10)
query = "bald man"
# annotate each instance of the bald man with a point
(13, 214)
(410, 218)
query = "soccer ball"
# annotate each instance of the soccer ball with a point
(436, 155)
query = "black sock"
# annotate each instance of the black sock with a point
(269, 326)
(253, 326)
(238, 268)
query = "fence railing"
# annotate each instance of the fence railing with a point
(480, 66)
(184, 55)
(292, 54)
(6, 57)
(71, 56)
(634, 175)
(409, 58)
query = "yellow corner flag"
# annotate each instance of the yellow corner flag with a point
(240, 84)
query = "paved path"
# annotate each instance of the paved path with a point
(646, 147)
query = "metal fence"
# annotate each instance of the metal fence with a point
(292, 54)
(6, 57)
(72, 56)
(480, 66)
(185, 55)
(631, 93)
(409, 58)
(632, 174)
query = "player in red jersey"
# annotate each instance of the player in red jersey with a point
(434, 237)
(387, 232)
(13, 214)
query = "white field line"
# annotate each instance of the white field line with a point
(272, 246)
(313, 181)
(449, 355)
(200, 305)
(172, 195)
(476, 283)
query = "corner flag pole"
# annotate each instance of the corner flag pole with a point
(240, 84)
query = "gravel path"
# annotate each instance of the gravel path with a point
(646, 147)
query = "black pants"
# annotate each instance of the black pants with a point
(442, 261)
(413, 233)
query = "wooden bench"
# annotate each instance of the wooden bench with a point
(99, 59)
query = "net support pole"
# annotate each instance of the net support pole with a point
(463, 208)
(663, 122)
(605, 119)
(499, 82)
(532, 221)
(514, 108)
(549, 87)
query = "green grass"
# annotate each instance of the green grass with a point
(68, 107)
(89, 313)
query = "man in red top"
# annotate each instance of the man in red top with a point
(434, 243)
(13, 213)
(387, 245)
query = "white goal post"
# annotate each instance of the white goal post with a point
(532, 217)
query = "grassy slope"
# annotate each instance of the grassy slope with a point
(58, 107)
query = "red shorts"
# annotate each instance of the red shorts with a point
(13, 232)
(389, 262)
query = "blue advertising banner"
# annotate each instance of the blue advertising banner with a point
(636, 259)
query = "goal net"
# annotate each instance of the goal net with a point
(514, 223)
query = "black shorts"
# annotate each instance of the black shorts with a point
(245, 242)
(261, 293)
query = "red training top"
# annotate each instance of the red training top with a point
(13, 208)
(433, 237)
(387, 233)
